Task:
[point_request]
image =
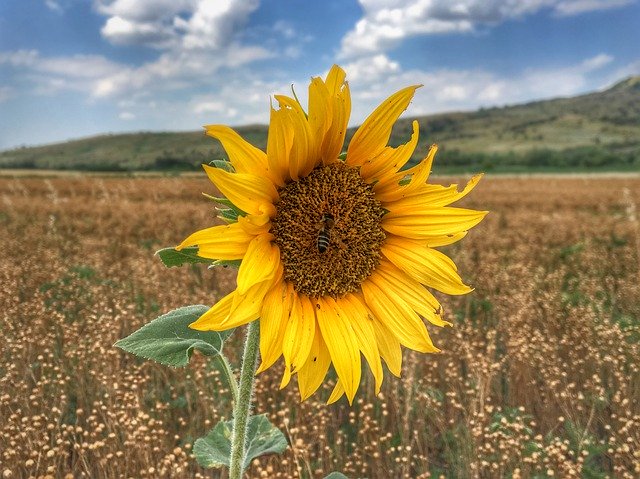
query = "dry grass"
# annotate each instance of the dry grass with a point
(539, 377)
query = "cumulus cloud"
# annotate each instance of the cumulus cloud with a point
(177, 24)
(386, 23)
(196, 40)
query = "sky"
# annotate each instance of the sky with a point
(76, 68)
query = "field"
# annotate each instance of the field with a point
(539, 377)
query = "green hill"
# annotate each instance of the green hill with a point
(599, 130)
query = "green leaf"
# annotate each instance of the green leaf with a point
(336, 475)
(169, 340)
(228, 214)
(223, 165)
(225, 202)
(214, 450)
(225, 263)
(189, 255)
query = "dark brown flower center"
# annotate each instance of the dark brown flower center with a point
(327, 227)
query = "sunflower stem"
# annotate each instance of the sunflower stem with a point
(242, 406)
(228, 373)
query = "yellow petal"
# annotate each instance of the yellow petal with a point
(302, 158)
(389, 346)
(298, 336)
(351, 307)
(390, 160)
(340, 104)
(212, 320)
(256, 224)
(320, 112)
(248, 192)
(430, 222)
(398, 284)
(335, 79)
(235, 309)
(341, 343)
(373, 135)
(315, 368)
(430, 196)
(426, 265)
(219, 242)
(244, 157)
(273, 322)
(388, 189)
(259, 263)
(399, 317)
(279, 142)
(444, 240)
(337, 393)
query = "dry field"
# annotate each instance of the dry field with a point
(539, 377)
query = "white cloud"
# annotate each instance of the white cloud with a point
(214, 22)
(174, 24)
(19, 58)
(51, 74)
(144, 10)
(126, 115)
(574, 7)
(285, 29)
(121, 31)
(371, 68)
(451, 90)
(53, 5)
(196, 40)
(597, 62)
(386, 23)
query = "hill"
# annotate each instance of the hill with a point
(599, 130)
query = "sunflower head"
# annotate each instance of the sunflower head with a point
(338, 252)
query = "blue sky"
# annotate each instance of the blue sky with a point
(73, 68)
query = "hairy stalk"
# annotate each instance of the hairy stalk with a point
(242, 406)
(228, 373)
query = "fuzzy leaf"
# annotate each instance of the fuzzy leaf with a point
(214, 450)
(189, 255)
(168, 339)
(336, 475)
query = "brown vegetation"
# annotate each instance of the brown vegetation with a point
(539, 377)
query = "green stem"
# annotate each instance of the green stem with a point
(242, 406)
(228, 373)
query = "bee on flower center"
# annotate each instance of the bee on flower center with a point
(324, 232)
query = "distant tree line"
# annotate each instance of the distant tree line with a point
(587, 158)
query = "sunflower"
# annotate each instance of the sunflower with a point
(337, 251)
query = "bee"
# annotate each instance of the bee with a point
(324, 233)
